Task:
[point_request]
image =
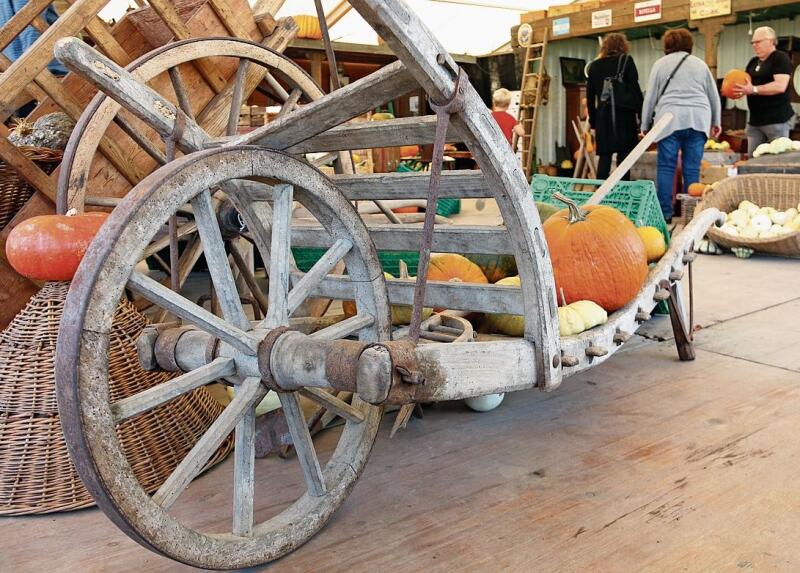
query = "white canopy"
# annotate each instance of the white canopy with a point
(473, 27)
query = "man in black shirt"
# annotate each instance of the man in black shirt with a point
(768, 91)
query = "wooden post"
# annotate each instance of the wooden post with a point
(711, 30)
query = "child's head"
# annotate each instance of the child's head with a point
(501, 98)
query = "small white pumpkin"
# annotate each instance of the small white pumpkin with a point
(748, 207)
(761, 222)
(729, 229)
(749, 232)
(740, 218)
(484, 403)
(779, 217)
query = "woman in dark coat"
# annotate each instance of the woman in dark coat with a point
(614, 119)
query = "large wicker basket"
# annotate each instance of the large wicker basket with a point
(36, 473)
(765, 190)
(14, 190)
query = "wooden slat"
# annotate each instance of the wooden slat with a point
(215, 114)
(334, 404)
(333, 109)
(337, 12)
(280, 256)
(344, 328)
(455, 296)
(167, 12)
(100, 32)
(27, 169)
(372, 134)
(446, 238)
(223, 10)
(19, 21)
(36, 57)
(303, 444)
(454, 184)
(316, 273)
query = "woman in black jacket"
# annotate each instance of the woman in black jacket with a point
(614, 100)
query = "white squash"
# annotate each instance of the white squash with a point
(796, 146)
(748, 207)
(781, 145)
(740, 218)
(791, 213)
(760, 222)
(779, 217)
(792, 226)
(762, 149)
(569, 321)
(592, 313)
(484, 403)
(749, 232)
(729, 229)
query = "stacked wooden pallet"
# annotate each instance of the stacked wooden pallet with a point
(119, 163)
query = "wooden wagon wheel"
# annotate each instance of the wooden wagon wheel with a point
(253, 62)
(315, 127)
(232, 344)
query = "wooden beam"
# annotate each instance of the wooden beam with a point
(169, 14)
(100, 32)
(464, 183)
(223, 10)
(338, 12)
(19, 21)
(446, 239)
(35, 59)
(373, 134)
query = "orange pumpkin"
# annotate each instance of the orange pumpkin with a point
(50, 247)
(308, 27)
(696, 189)
(597, 254)
(455, 268)
(732, 78)
(409, 150)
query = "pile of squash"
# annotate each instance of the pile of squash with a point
(600, 261)
(749, 221)
(776, 147)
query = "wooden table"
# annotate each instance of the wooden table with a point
(783, 163)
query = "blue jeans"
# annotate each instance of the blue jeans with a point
(690, 143)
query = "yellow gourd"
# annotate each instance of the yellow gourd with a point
(653, 241)
(573, 318)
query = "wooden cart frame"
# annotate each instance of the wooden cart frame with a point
(262, 173)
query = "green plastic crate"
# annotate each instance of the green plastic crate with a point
(305, 258)
(636, 199)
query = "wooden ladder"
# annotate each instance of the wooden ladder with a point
(531, 93)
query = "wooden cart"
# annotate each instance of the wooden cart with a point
(275, 507)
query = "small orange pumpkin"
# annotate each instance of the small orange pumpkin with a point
(309, 27)
(50, 247)
(455, 268)
(732, 78)
(696, 189)
(596, 253)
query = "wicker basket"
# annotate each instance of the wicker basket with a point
(36, 473)
(14, 190)
(779, 191)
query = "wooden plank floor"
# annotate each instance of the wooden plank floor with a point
(642, 464)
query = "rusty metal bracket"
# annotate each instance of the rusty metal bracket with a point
(407, 379)
(165, 345)
(443, 113)
(341, 363)
(264, 355)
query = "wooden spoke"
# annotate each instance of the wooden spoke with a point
(334, 404)
(217, 259)
(163, 242)
(290, 103)
(249, 393)
(303, 444)
(190, 312)
(140, 139)
(249, 278)
(332, 109)
(344, 328)
(236, 98)
(324, 159)
(244, 456)
(280, 254)
(157, 395)
(180, 91)
(276, 87)
(318, 272)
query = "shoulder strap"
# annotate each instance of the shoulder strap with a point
(622, 63)
(669, 79)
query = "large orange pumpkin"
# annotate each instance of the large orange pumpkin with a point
(309, 27)
(732, 78)
(50, 247)
(597, 254)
